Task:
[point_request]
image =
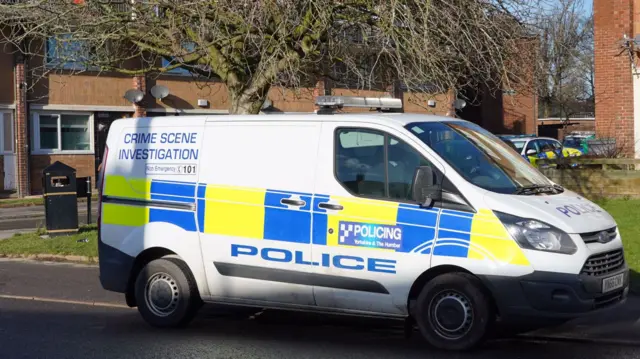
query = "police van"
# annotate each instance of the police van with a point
(429, 220)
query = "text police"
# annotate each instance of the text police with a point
(326, 260)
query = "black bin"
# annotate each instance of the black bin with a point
(60, 199)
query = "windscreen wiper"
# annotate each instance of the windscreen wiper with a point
(536, 188)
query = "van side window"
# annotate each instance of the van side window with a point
(360, 164)
(360, 161)
(402, 163)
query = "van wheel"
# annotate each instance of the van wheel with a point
(454, 312)
(166, 293)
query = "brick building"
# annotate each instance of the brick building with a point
(617, 82)
(66, 117)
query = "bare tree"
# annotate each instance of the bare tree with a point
(253, 45)
(565, 81)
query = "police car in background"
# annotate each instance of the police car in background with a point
(533, 148)
(431, 220)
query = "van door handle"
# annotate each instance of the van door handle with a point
(293, 202)
(327, 205)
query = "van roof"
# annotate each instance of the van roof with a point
(398, 119)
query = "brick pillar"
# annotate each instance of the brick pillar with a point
(320, 89)
(613, 73)
(395, 91)
(451, 97)
(21, 128)
(140, 83)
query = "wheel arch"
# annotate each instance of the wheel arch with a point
(142, 260)
(434, 272)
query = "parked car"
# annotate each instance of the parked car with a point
(533, 148)
(578, 141)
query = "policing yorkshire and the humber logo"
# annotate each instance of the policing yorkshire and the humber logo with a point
(369, 235)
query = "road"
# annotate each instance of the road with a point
(38, 329)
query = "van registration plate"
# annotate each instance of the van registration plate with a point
(612, 283)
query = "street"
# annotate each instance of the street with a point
(51, 327)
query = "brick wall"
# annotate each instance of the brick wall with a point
(613, 78)
(598, 183)
(418, 103)
(520, 113)
(84, 165)
(140, 83)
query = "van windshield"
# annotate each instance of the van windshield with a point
(573, 142)
(479, 156)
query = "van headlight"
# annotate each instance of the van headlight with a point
(533, 234)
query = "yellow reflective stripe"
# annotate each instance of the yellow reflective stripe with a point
(490, 240)
(363, 211)
(134, 188)
(124, 215)
(234, 211)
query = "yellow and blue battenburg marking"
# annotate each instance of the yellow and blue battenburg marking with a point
(144, 189)
(362, 223)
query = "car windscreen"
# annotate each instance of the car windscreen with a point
(479, 156)
(519, 145)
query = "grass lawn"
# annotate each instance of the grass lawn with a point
(625, 212)
(32, 243)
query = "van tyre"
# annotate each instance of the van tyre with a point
(166, 293)
(454, 312)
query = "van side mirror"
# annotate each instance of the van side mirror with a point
(531, 152)
(425, 190)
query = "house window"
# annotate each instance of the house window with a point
(186, 69)
(65, 53)
(7, 127)
(63, 132)
(189, 47)
(177, 71)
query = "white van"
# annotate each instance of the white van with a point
(427, 219)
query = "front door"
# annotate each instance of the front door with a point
(9, 167)
(369, 236)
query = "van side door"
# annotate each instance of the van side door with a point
(370, 239)
(254, 209)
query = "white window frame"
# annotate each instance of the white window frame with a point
(12, 118)
(35, 134)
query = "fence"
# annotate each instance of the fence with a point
(597, 178)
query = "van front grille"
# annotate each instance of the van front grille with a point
(608, 300)
(593, 237)
(603, 263)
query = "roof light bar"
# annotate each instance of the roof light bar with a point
(362, 102)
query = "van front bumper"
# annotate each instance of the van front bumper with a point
(554, 296)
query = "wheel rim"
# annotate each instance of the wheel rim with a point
(450, 315)
(161, 294)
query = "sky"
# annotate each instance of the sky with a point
(587, 5)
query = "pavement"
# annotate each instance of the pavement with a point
(31, 217)
(59, 310)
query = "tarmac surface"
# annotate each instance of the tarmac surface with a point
(59, 310)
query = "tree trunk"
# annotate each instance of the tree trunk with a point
(244, 104)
